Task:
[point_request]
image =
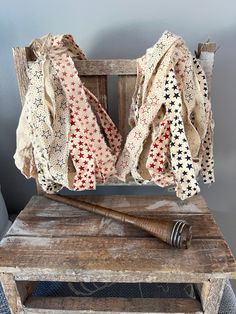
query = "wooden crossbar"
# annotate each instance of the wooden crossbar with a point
(107, 67)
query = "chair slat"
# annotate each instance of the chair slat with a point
(20, 58)
(126, 85)
(97, 84)
(106, 67)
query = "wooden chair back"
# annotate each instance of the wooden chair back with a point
(94, 74)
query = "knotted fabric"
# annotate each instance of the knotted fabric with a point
(64, 137)
(171, 120)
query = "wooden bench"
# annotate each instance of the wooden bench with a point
(53, 242)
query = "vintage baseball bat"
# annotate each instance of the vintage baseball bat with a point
(177, 233)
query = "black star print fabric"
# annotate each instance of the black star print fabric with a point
(171, 141)
(172, 144)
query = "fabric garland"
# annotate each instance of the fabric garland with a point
(65, 138)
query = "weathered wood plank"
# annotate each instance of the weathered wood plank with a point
(110, 305)
(11, 292)
(133, 204)
(207, 46)
(20, 59)
(43, 217)
(126, 85)
(77, 225)
(106, 67)
(98, 86)
(115, 259)
(25, 289)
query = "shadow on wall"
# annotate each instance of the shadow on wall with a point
(220, 197)
(130, 41)
(223, 102)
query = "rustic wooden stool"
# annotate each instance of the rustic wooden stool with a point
(50, 241)
(54, 242)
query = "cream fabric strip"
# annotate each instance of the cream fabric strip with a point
(207, 62)
(90, 154)
(47, 143)
(151, 101)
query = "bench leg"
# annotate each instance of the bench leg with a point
(11, 293)
(211, 292)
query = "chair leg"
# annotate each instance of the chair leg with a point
(11, 293)
(211, 292)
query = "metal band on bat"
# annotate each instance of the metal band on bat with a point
(179, 235)
(176, 233)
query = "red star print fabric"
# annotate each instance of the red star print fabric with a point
(74, 142)
(92, 158)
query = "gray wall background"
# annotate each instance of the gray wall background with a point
(124, 29)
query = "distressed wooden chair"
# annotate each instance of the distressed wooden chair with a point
(61, 243)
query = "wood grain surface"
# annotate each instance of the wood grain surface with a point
(49, 240)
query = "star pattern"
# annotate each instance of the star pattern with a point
(93, 154)
(71, 141)
(172, 141)
(207, 156)
(157, 161)
(38, 119)
(169, 107)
